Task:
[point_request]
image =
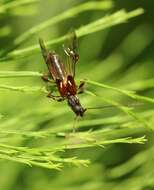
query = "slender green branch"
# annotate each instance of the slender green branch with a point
(130, 94)
(102, 5)
(118, 17)
(102, 23)
(45, 158)
(140, 85)
(14, 4)
(89, 139)
(125, 109)
(24, 88)
(11, 74)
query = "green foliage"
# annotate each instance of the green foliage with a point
(112, 147)
(114, 19)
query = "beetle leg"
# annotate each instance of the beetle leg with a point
(50, 95)
(46, 78)
(75, 123)
(57, 98)
(81, 87)
(60, 99)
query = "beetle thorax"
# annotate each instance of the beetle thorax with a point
(67, 87)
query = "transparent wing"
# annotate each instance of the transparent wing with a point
(70, 50)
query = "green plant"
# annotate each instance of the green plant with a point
(36, 131)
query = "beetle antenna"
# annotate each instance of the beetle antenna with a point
(74, 123)
(100, 107)
(112, 106)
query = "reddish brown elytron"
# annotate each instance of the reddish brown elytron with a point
(63, 73)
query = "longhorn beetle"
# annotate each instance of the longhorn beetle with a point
(62, 73)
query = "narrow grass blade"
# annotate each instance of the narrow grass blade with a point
(94, 5)
(102, 23)
(12, 74)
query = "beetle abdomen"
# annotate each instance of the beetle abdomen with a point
(75, 105)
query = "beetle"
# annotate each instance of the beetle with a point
(62, 73)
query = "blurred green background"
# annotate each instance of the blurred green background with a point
(120, 56)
